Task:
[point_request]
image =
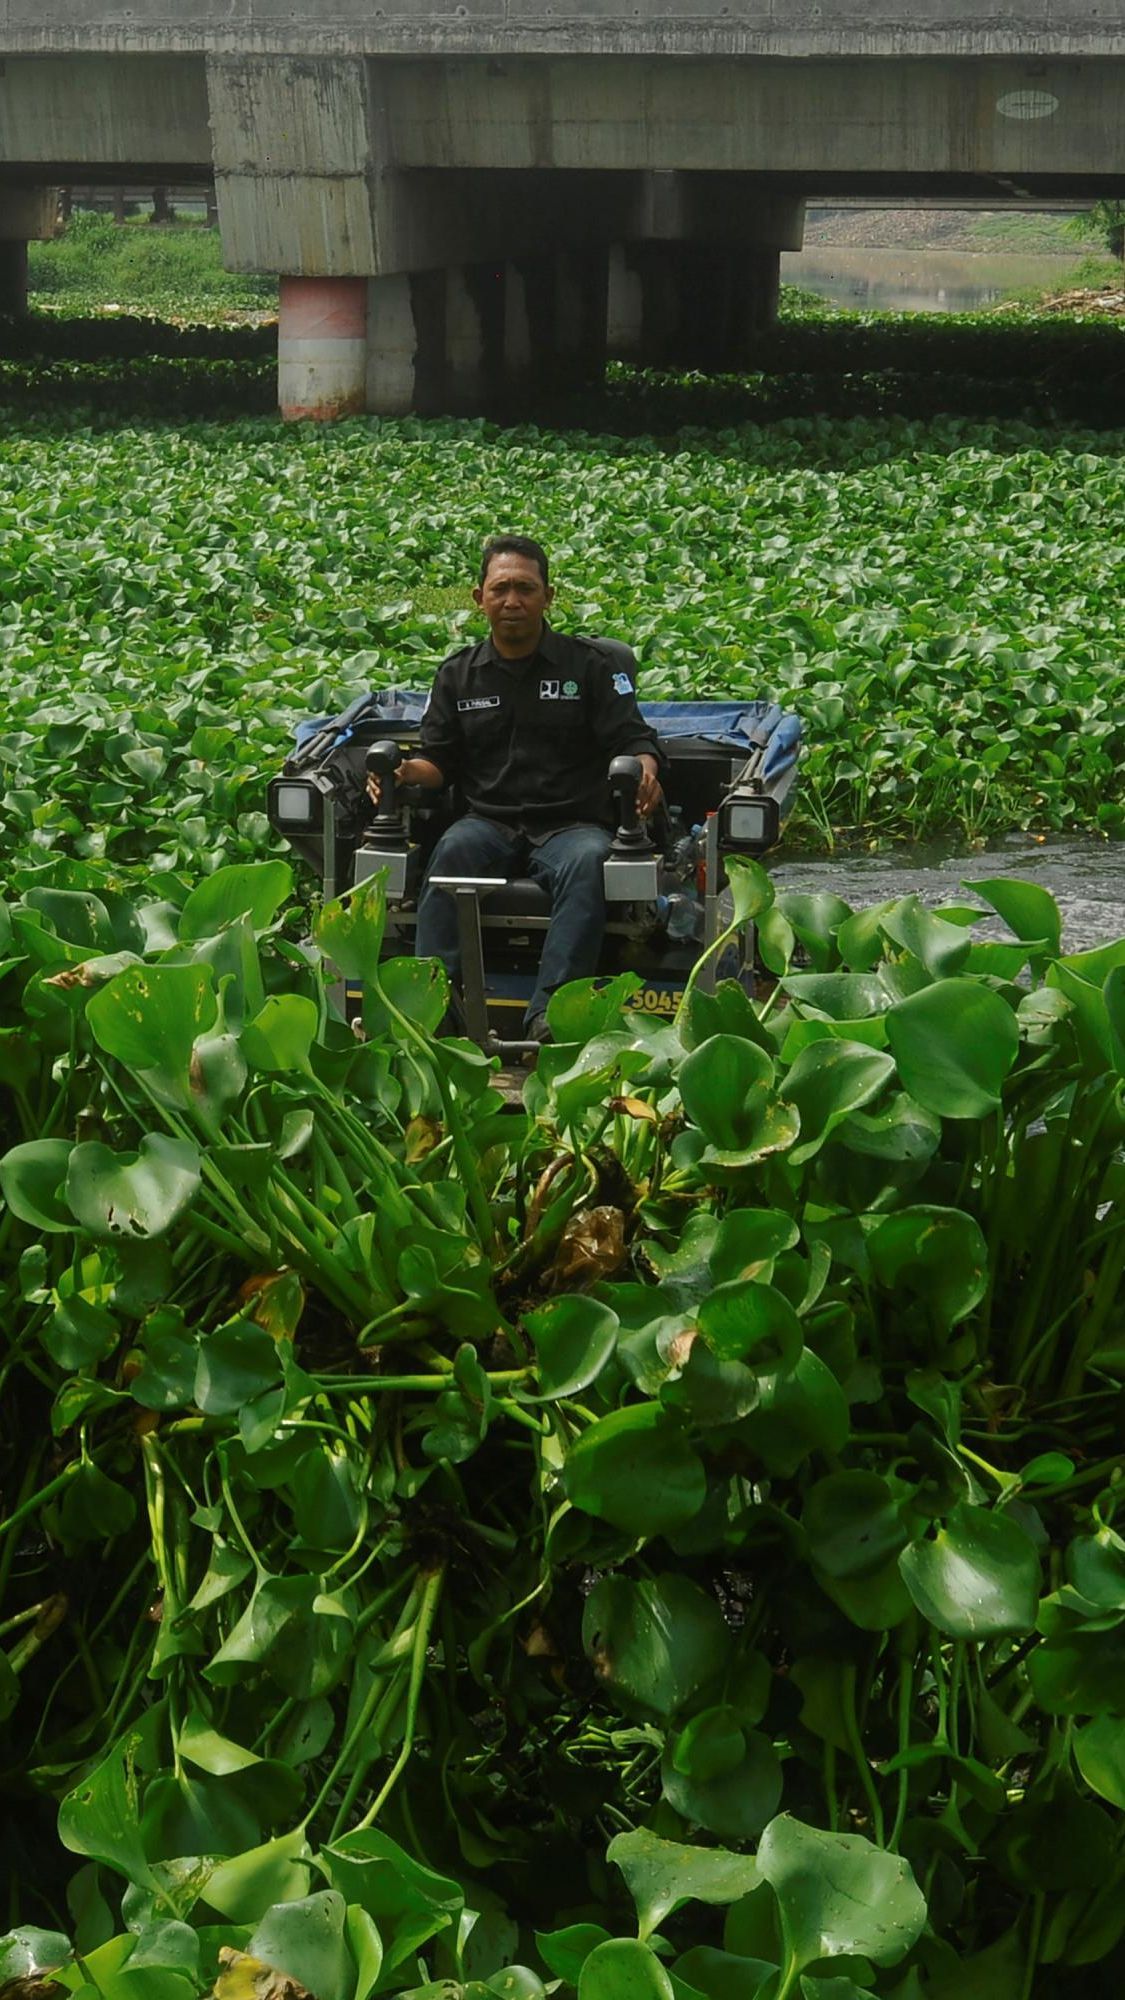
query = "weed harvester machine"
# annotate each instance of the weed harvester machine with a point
(730, 768)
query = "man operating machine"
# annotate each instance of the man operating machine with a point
(525, 724)
(530, 823)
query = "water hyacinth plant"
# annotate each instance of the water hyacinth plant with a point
(939, 601)
(662, 1540)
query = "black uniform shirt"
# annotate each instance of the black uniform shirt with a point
(529, 741)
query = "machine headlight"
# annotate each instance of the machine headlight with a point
(295, 806)
(749, 822)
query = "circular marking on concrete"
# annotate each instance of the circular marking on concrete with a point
(1027, 104)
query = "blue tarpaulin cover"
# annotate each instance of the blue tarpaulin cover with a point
(741, 725)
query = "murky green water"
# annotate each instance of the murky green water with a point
(1086, 878)
(910, 280)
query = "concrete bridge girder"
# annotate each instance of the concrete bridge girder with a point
(793, 29)
(808, 120)
(82, 111)
(306, 181)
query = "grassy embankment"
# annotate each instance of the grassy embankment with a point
(176, 270)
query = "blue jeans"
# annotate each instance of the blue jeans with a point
(568, 865)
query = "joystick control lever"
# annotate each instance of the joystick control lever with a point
(632, 867)
(382, 762)
(384, 848)
(625, 774)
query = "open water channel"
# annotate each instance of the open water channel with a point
(913, 279)
(1086, 878)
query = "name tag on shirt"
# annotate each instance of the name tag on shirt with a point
(478, 701)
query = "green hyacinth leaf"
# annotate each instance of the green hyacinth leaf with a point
(133, 1195)
(838, 1896)
(1099, 1750)
(853, 1523)
(624, 1969)
(350, 931)
(954, 1043)
(256, 889)
(662, 1874)
(306, 1940)
(655, 1643)
(636, 1470)
(573, 1338)
(978, 1578)
(32, 1181)
(150, 1017)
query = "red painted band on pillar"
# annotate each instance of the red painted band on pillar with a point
(322, 347)
(323, 308)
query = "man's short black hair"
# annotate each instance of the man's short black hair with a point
(514, 545)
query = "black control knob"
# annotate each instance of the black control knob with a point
(382, 761)
(625, 774)
(383, 758)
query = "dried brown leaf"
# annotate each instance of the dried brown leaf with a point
(592, 1246)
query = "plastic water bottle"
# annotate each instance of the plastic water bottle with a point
(685, 916)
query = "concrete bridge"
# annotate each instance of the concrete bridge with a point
(465, 196)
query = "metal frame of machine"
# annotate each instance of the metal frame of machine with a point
(723, 796)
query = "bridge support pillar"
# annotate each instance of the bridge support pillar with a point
(322, 347)
(25, 214)
(13, 277)
(475, 312)
(393, 361)
(520, 358)
(565, 300)
(690, 305)
(436, 340)
(485, 336)
(700, 274)
(582, 282)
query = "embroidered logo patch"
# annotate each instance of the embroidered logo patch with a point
(548, 690)
(570, 690)
(622, 684)
(478, 701)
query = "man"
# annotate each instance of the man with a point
(526, 722)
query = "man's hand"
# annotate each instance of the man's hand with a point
(412, 771)
(649, 793)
